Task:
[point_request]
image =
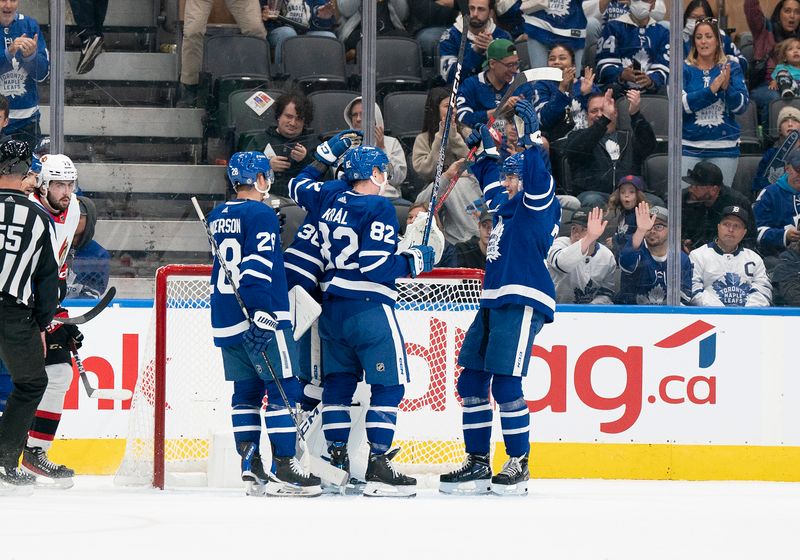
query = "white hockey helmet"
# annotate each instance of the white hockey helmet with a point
(55, 167)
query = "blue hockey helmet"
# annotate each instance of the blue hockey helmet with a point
(359, 161)
(512, 165)
(244, 167)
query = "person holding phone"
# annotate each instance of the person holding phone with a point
(633, 52)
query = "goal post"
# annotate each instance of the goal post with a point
(181, 399)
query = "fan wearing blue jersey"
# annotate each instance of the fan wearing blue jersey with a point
(257, 354)
(358, 232)
(518, 299)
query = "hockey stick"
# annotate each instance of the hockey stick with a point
(92, 313)
(448, 117)
(113, 394)
(532, 75)
(326, 471)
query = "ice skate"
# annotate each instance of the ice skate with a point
(513, 479)
(383, 480)
(15, 482)
(45, 472)
(288, 479)
(472, 478)
(253, 474)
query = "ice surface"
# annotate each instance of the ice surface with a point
(581, 519)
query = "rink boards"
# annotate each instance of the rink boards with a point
(614, 392)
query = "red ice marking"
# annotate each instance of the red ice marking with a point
(686, 334)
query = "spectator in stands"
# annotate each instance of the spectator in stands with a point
(482, 31)
(724, 272)
(582, 269)
(700, 9)
(788, 120)
(398, 168)
(478, 95)
(621, 211)
(713, 94)
(425, 154)
(561, 106)
(703, 204)
(633, 52)
(3, 118)
(600, 154)
(472, 252)
(458, 221)
(786, 76)
(91, 263)
(782, 24)
(643, 261)
(786, 277)
(89, 17)
(392, 16)
(429, 20)
(777, 210)
(309, 17)
(247, 14)
(288, 145)
(449, 258)
(25, 63)
(613, 9)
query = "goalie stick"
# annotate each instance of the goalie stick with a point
(92, 313)
(113, 394)
(324, 470)
(532, 75)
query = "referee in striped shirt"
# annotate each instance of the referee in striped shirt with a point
(28, 301)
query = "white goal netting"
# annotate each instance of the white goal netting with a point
(434, 313)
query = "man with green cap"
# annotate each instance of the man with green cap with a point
(479, 95)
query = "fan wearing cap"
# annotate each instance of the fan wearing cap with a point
(621, 210)
(583, 269)
(472, 253)
(478, 95)
(643, 261)
(725, 273)
(788, 120)
(703, 202)
(777, 210)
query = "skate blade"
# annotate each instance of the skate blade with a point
(381, 490)
(283, 490)
(520, 489)
(354, 487)
(471, 488)
(46, 482)
(255, 489)
(14, 491)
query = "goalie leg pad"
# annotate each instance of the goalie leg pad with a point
(514, 414)
(473, 386)
(48, 414)
(336, 398)
(382, 416)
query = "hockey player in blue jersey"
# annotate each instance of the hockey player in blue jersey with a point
(518, 298)
(247, 233)
(358, 232)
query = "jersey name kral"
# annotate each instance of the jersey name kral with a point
(63, 233)
(624, 44)
(248, 235)
(358, 238)
(709, 123)
(563, 21)
(524, 229)
(477, 95)
(448, 50)
(303, 258)
(18, 75)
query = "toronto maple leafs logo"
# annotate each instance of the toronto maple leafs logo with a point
(558, 8)
(643, 58)
(493, 248)
(586, 295)
(655, 296)
(622, 228)
(578, 115)
(731, 290)
(12, 83)
(712, 115)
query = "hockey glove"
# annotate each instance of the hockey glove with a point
(60, 334)
(482, 138)
(333, 148)
(420, 259)
(527, 124)
(258, 338)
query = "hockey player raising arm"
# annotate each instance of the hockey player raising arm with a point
(518, 298)
(360, 335)
(247, 233)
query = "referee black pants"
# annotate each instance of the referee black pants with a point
(22, 353)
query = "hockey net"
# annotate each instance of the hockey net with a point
(181, 398)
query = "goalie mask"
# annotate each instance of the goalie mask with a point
(359, 162)
(55, 167)
(244, 167)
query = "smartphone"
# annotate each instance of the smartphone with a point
(636, 65)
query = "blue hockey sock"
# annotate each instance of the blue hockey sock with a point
(246, 411)
(337, 395)
(382, 416)
(514, 414)
(280, 426)
(473, 386)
